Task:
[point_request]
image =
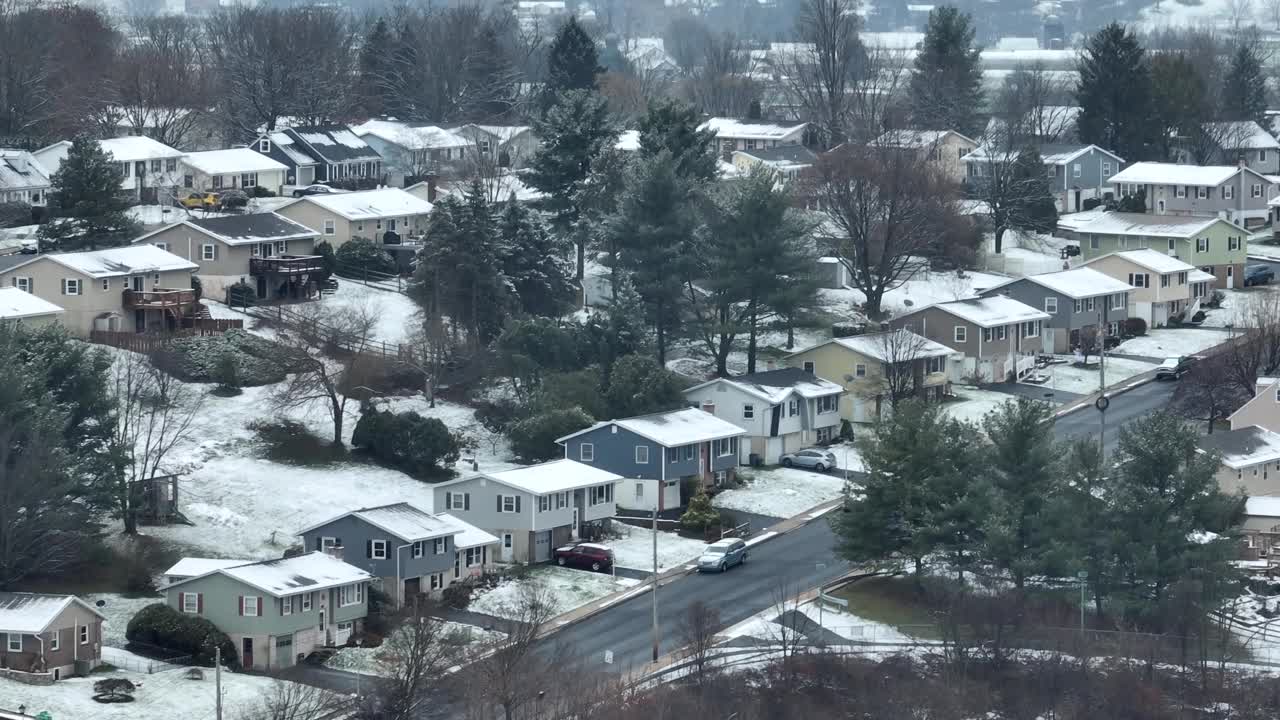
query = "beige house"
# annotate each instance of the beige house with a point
(1162, 284)
(20, 306)
(240, 168)
(138, 288)
(943, 149)
(267, 250)
(873, 368)
(1263, 410)
(786, 161)
(48, 637)
(368, 214)
(995, 338)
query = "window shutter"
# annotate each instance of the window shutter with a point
(517, 504)
(484, 555)
(199, 603)
(466, 501)
(64, 286)
(448, 501)
(241, 598)
(499, 503)
(260, 612)
(368, 548)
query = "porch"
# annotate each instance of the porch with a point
(286, 277)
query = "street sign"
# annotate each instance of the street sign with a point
(608, 657)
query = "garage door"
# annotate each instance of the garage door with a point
(284, 651)
(542, 546)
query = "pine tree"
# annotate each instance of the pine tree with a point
(86, 204)
(375, 69)
(673, 126)
(1180, 105)
(1036, 211)
(572, 62)
(534, 263)
(1244, 92)
(700, 514)
(1114, 94)
(946, 84)
(638, 386)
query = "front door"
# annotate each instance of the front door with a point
(136, 282)
(412, 588)
(246, 652)
(508, 547)
(266, 250)
(140, 320)
(1231, 277)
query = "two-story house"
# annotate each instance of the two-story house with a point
(513, 145)
(659, 454)
(277, 612)
(1076, 172)
(877, 367)
(533, 509)
(322, 154)
(23, 179)
(269, 251)
(1232, 192)
(48, 637)
(998, 337)
(411, 151)
(136, 288)
(234, 168)
(1078, 302)
(1239, 141)
(1159, 285)
(782, 410)
(1262, 410)
(149, 171)
(1217, 247)
(944, 150)
(368, 214)
(732, 134)
(409, 551)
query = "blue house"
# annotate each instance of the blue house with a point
(1076, 172)
(656, 452)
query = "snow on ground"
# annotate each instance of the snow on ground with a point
(1024, 254)
(489, 449)
(567, 589)
(1191, 13)
(762, 626)
(167, 694)
(398, 316)
(1239, 305)
(369, 661)
(1083, 381)
(1172, 342)
(268, 204)
(118, 610)
(635, 548)
(924, 288)
(974, 403)
(152, 216)
(781, 492)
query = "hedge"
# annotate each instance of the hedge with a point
(162, 626)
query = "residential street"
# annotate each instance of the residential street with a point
(1124, 408)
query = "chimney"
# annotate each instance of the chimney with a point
(334, 551)
(20, 162)
(708, 407)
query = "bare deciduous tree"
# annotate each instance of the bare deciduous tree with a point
(720, 83)
(160, 82)
(698, 630)
(414, 658)
(505, 672)
(295, 701)
(1209, 393)
(903, 355)
(1034, 104)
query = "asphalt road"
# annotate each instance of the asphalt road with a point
(1124, 408)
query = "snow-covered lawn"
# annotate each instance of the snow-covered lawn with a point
(924, 288)
(1186, 14)
(762, 626)
(1023, 254)
(1172, 342)
(567, 589)
(167, 694)
(635, 548)
(1239, 305)
(369, 661)
(398, 316)
(118, 610)
(974, 403)
(781, 492)
(152, 216)
(1083, 381)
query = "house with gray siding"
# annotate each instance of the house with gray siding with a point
(997, 337)
(408, 550)
(1076, 172)
(664, 456)
(1235, 194)
(277, 612)
(1079, 303)
(534, 509)
(48, 637)
(1233, 143)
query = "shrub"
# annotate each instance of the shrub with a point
(241, 294)
(113, 690)
(259, 191)
(497, 416)
(162, 626)
(1090, 203)
(1135, 326)
(292, 443)
(846, 430)
(138, 580)
(227, 376)
(421, 447)
(15, 214)
(197, 286)
(534, 438)
(458, 594)
(200, 358)
(327, 258)
(360, 254)
(1215, 300)
(700, 515)
(378, 620)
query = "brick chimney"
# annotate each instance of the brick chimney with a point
(334, 551)
(708, 407)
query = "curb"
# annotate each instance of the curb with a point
(1110, 392)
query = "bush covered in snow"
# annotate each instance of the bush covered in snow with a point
(161, 626)
(421, 447)
(200, 359)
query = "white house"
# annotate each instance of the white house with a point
(233, 168)
(411, 150)
(149, 169)
(782, 410)
(22, 178)
(732, 134)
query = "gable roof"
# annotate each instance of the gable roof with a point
(1050, 154)
(16, 304)
(291, 575)
(370, 204)
(1149, 259)
(725, 127)
(988, 311)
(672, 428)
(1122, 223)
(231, 161)
(137, 147)
(504, 133)
(401, 519)
(192, 566)
(917, 139)
(333, 143)
(296, 152)
(411, 136)
(1244, 447)
(114, 262)
(32, 613)
(244, 229)
(773, 386)
(20, 169)
(1155, 173)
(468, 535)
(899, 345)
(545, 478)
(1078, 283)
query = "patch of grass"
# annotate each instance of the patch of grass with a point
(292, 443)
(892, 601)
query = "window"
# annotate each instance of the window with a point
(1262, 156)
(544, 503)
(282, 247)
(793, 407)
(1093, 242)
(507, 503)
(475, 556)
(329, 228)
(961, 334)
(306, 603)
(601, 494)
(1233, 243)
(106, 284)
(1181, 192)
(22, 283)
(587, 452)
(809, 366)
(439, 546)
(1051, 305)
(1090, 304)
(987, 334)
(1031, 328)
(1256, 190)
(327, 543)
(286, 605)
(250, 605)
(1182, 278)
(1106, 169)
(84, 634)
(690, 452)
(15, 642)
(562, 500)
(125, 171)
(264, 145)
(417, 549)
(437, 581)
(828, 403)
(70, 286)
(1141, 280)
(724, 446)
(642, 454)
(1202, 193)
(1118, 301)
(378, 549)
(190, 603)
(248, 180)
(162, 245)
(208, 251)
(1164, 281)
(860, 370)
(456, 501)
(156, 165)
(1075, 170)
(1077, 306)
(55, 642)
(1228, 192)
(350, 595)
(1002, 332)
(748, 411)
(933, 364)
(639, 491)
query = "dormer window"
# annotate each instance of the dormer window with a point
(264, 145)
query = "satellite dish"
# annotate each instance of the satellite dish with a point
(907, 303)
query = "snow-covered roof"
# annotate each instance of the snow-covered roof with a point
(244, 229)
(505, 133)
(31, 613)
(411, 136)
(1199, 275)
(546, 478)
(1016, 44)
(294, 152)
(991, 311)
(673, 428)
(1242, 135)
(114, 262)
(1150, 259)
(891, 346)
(1122, 223)
(193, 566)
(915, 139)
(628, 140)
(750, 129)
(231, 162)
(1050, 154)
(335, 143)
(401, 519)
(16, 304)
(1263, 506)
(1082, 282)
(1244, 447)
(500, 188)
(20, 170)
(289, 576)
(1155, 173)
(371, 204)
(137, 147)
(468, 535)
(774, 386)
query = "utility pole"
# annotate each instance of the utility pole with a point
(217, 682)
(1103, 401)
(655, 576)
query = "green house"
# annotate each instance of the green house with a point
(1212, 244)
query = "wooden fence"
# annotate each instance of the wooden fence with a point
(153, 341)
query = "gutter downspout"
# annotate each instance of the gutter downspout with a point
(44, 663)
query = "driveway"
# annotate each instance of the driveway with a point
(1035, 392)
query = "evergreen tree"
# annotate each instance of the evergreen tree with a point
(1180, 105)
(1035, 211)
(700, 514)
(86, 205)
(946, 83)
(673, 126)
(1244, 92)
(374, 63)
(638, 386)
(534, 263)
(572, 63)
(1114, 94)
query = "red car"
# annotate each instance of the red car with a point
(585, 555)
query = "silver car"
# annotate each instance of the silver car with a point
(813, 458)
(722, 555)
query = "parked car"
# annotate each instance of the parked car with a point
(200, 201)
(1258, 275)
(1174, 368)
(313, 190)
(722, 555)
(814, 458)
(585, 555)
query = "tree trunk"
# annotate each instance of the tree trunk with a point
(127, 512)
(999, 239)
(751, 341)
(337, 422)
(582, 261)
(872, 306)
